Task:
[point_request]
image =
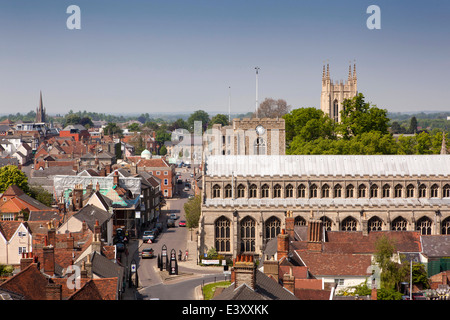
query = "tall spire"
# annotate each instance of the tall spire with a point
(354, 71)
(40, 112)
(350, 72)
(328, 71)
(323, 73)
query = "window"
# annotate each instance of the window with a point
(272, 227)
(326, 223)
(301, 191)
(446, 226)
(422, 191)
(277, 191)
(7, 216)
(446, 191)
(399, 224)
(339, 282)
(386, 191)
(22, 234)
(337, 191)
(325, 191)
(299, 221)
(228, 191)
(241, 191)
(259, 146)
(349, 191)
(434, 191)
(424, 226)
(265, 191)
(247, 235)
(398, 191)
(374, 191)
(216, 191)
(375, 224)
(349, 224)
(166, 193)
(289, 191)
(410, 191)
(222, 234)
(166, 173)
(253, 191)
(313, 191)
(22, 250)
(362, 191)
(166, 182)
(158, 173)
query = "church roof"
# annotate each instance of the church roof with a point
(329, 165)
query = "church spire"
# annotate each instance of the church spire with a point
(350, 72)
(40, 112)
(354, 72)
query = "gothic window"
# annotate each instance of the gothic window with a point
(375, 224)
(265, 191)
(313, 191)
(446, 191)
(228, 191)
(424, 226)
(386, 191)
(253, 191)
(422, 191)
(434, 191)
(272, 228)
(260, 146)
(349, 224)
(325, 191)
(349, 191)
(248, 235)
(299, 221)
(398, 191)
(410, 191)
(222, 234)
(216, 191)
(277, 191)
(301, 191)
(337, 191)
(335, 111)
(326, 223)
(289, 191)
(374, 191)
(399, 224)
(241, 191)
(361, 191)
(446, 226)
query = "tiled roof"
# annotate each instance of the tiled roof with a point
(97, 289)
(8, 228)
(436, 246)
(29, 282)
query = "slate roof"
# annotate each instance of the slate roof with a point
(436, 246)
(265, 289)
(91, 214)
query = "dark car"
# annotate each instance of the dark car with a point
(120, 246)
(170, 223)
(147, 253)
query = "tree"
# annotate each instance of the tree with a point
(271, 108)
(192, 208)
(219, 119)
(163, 150)
(412, 125)
(358, 117)
(178, 124)
(385, 249)
(11, 175)
(198, 115)
(41, 195)
(112, 129)
(134, 127)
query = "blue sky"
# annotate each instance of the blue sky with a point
(181, 56)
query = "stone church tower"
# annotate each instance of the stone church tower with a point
(334, 93)
(40, 112)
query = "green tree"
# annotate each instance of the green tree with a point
(359, 116)
(406, 145)
(198, 115)
(192, 208)
(134, 127)
(412, 125)
(219, 119)
(385, 249)
(11, 175)
(41, 195)
(163, 150)
(113, 129)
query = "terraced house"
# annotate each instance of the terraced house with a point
(245, 198)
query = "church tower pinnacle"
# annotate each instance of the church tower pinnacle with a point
(40, 111)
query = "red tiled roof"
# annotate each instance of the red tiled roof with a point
(30, 283)
(8, 228)
(97, 289)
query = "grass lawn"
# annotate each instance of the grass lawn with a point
(209, 289)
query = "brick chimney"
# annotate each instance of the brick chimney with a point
(49, 258)
(315, 235)
(53, 291)
(290, 224)
(289, 281)
(97, 186)
(116, 178)
(282, 245)
(51, 234)
(96, 241)
(244, 271)
(70, 241)
(27, 259)
(271, 268)
(77, 197)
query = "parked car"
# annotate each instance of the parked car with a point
(120, 246)
(147, 253)
(186, 188)
(148, 236)
(173, 216)
(182, 223)
(159, 226)
(170, 223)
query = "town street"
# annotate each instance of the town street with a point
(152, 284)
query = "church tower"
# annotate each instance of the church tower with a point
(334, 93)
(40, 111)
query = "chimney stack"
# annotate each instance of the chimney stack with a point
(53, 291)
(244, 271)
(290, 224)
(116, 178)
(289, 281)
(27, 259)
(282, 245)
(315, 235)
(49, 258)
